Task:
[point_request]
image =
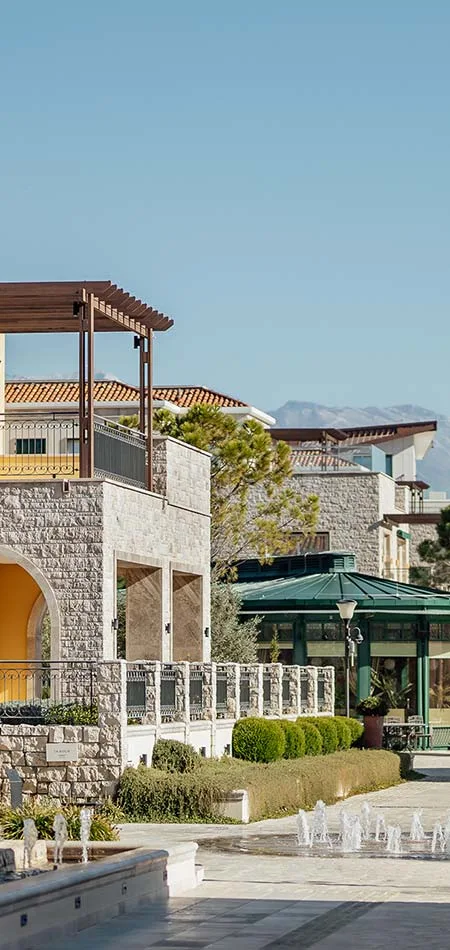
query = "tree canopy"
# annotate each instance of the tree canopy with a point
(436, 554)
(231, 641)
(254, 505)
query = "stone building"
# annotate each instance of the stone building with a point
(371, 500)
(83, 502)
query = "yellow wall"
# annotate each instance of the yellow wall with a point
(18, 593)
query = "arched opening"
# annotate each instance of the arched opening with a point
(29, 618)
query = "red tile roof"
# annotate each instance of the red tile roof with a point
(112, 390)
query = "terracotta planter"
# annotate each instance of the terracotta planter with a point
(373, 732)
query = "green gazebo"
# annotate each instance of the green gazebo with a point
(406, 629)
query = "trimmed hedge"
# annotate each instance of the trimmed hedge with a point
(295, 740)
(278, 788)
(258, 740)
(169, 755)
(343, 733)
(328, 732)
(356, 727)
(313, 738)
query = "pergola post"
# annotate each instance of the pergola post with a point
(86, 386)
(142, 357)
(149, 428)
(364, 669)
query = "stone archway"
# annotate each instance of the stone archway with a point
(28, 597)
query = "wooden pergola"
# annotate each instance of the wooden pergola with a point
(87, 307)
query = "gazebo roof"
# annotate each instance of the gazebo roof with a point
(51, 307)
(316, 592)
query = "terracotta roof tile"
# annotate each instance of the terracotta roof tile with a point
(112, 390)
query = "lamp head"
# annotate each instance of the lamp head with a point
(346, 608)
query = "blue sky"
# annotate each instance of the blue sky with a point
(274, 175)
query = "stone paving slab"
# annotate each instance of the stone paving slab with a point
(279, 903)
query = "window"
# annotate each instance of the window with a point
(73, 446)
(389, 465)
(31, 446)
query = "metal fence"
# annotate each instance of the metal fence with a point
(136, 693)
(195, 692)
(39, 692)
(286, 690)
(221, 693)
(38, 446)
(320, 690)
(244, 689)
(119, 453)
(267, 691)
(168, 692)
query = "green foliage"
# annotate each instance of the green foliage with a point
(356, 728)
(373, 706)
(244, 457)
(151, 795)
(295, 739)
(274, 789)
(73, 714)
(386, 686)
(344, 736)
(258, 740)
(313, 738)
(275, 648)
(129, 422)
(437, 555)
(43, 813)
(169, 755)
(328, 732)
(231, 641)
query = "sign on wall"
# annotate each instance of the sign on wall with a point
(62, 751)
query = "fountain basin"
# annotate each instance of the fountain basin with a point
(286, 846)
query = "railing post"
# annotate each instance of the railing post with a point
(328, 690)
(256, 689)
(293, 705)
(272, 689)
(182, 692)
(313, 702)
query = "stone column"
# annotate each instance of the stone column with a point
(294, 708)
(112, 717)
(328, 690)
(273, 672)
(308, 684)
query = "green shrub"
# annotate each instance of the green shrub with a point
(313, 738)
(258, 740)
(328, 732)
(72, 715)
(356, 728)
(295, 740)
(150, 795)
(169, 755)
(274, 789)
(43, 813)
(373, 706)
(343, 733)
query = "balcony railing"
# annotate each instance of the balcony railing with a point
(40, 692)
(48, 447)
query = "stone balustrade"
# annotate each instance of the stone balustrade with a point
(186, 692)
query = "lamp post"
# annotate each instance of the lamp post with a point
(346, 609)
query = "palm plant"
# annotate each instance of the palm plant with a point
(386, 685)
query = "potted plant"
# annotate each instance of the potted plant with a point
(373, 709)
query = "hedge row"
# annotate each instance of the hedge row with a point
(266, 740)
(278, 788)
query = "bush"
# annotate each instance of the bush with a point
(373, 706)
(328, 732)
(356, 728)
(169, 755)
(150, 795)
(72, 715)
(274, 789)
(43, 813)
(343, 733)
(258, 740)
(313, 738)
(295, 740)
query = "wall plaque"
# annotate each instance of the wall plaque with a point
(62, 751)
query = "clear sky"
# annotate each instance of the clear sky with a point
(274, 174)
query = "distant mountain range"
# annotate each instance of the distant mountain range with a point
(435, 467)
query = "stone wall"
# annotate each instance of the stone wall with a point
(102, 749)
(419, 533)
(70, 541)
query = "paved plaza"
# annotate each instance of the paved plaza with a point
(250, 902)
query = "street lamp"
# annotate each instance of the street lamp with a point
(346, 608)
